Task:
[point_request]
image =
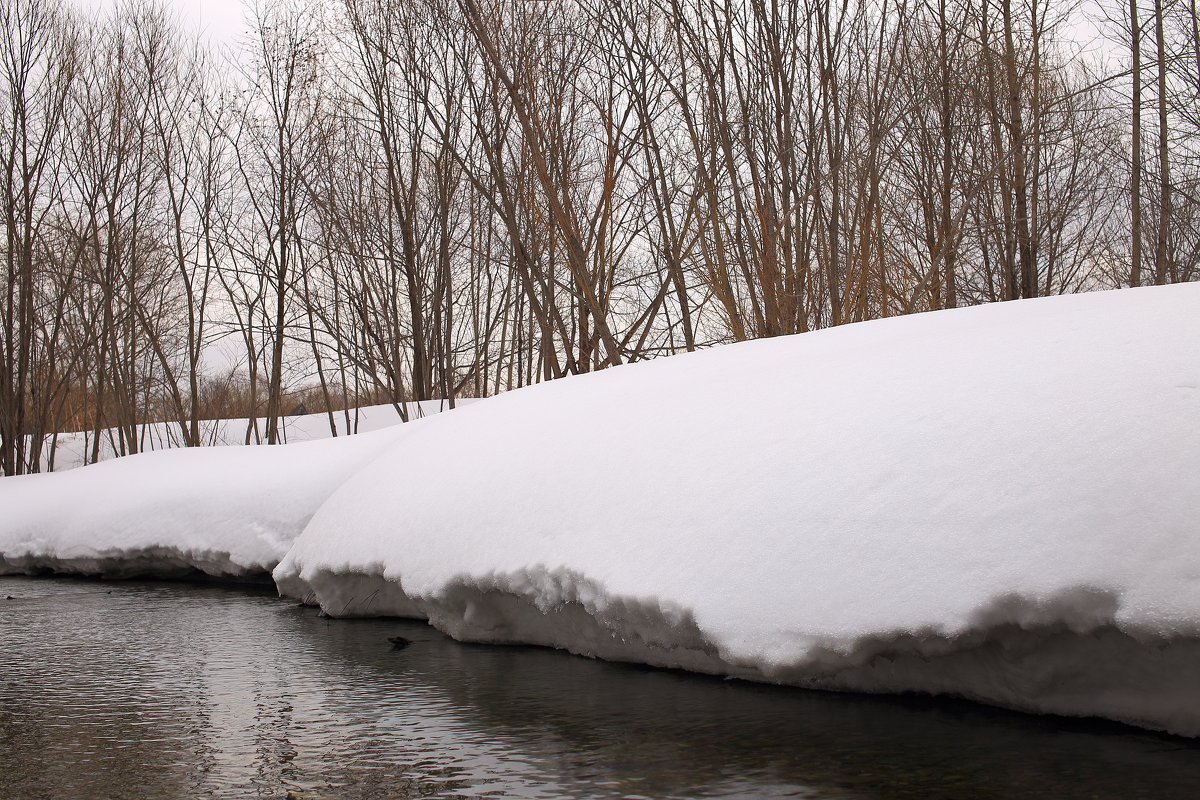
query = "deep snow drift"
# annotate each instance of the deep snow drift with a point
(228, 512)
(1001, 502)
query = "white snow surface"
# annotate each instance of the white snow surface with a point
(1000, 502)
(228, 512)
(69, 449)
(224, 510)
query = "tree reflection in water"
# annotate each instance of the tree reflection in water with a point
(145, 690)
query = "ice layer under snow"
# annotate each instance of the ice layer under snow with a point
(1000, 502)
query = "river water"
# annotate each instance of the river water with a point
(172, 690)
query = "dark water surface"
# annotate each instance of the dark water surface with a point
(160, 690)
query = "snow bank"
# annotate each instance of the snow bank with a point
(1000, 502)
(228, 512)
(68, 449)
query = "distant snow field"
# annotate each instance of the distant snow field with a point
(1000, 502)
(69, 449)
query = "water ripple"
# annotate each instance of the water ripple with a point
(143, 690)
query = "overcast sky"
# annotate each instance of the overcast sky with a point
(219, 19)
(222, 20)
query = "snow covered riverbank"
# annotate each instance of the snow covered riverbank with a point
(1000, 502)
(225, 512)
(68, 450)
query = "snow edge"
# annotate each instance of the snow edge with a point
(1067, 654)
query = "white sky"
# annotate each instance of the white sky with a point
(221, 20)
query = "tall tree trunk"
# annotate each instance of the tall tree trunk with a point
(1017, 140)
(1162, 241)
(1135, 171)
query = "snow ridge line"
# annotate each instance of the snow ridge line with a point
(1065, 654)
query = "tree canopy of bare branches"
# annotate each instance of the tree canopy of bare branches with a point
(378, 201)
